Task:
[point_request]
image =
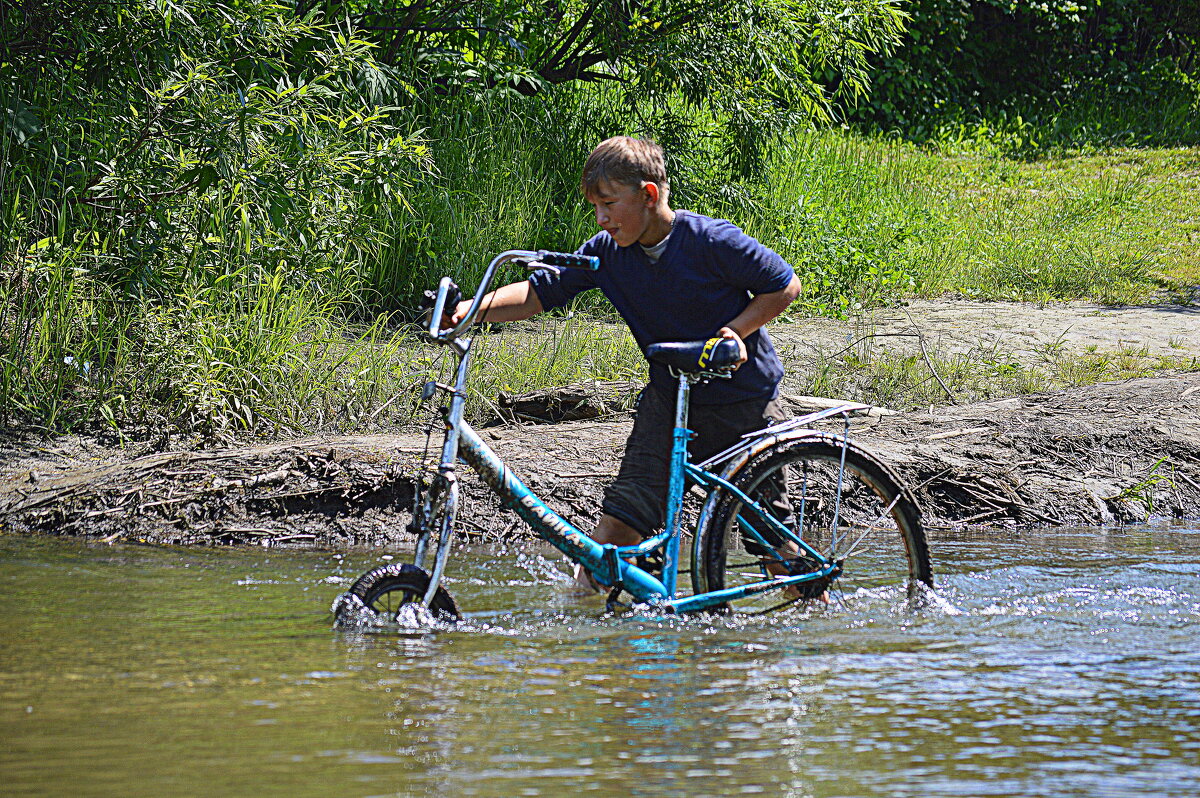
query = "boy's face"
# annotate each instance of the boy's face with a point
(625, 211)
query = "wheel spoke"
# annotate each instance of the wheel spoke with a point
(873, 526)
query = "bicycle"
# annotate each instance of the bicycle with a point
(788, 514)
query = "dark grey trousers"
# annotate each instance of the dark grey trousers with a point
(638, 496)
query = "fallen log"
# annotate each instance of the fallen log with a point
(576, 402)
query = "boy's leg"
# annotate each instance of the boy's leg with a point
(612, 530)
(718, 427)
(635, 502)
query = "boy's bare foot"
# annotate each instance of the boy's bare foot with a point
(792, 592)
(585, 582)
(608, 530)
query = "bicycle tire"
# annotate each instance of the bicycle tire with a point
(383, 591)
(878, 535)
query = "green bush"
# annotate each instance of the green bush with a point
(1026, 77)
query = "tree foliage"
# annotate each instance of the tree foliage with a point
(528, 45)
(195, 139)
(756, 65)
(977, 56)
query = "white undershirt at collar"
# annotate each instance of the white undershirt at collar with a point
(655, 252)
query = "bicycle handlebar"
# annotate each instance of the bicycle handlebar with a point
(568, 260)
(541, 258)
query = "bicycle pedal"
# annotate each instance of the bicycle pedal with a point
(611, 604)
(808, 590)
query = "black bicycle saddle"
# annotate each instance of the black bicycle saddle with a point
(692, 357)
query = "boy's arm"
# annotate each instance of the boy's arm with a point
(511, 302)
(761, 310)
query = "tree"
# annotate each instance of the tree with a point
(758, 64)
(971, 55)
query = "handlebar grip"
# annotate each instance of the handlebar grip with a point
(447, 297)
(568, 260)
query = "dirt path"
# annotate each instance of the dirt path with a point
(1108, 453)
(1019, 327)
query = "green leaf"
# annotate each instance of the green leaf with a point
(208, 175)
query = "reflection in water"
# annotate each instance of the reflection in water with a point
(1051, 663)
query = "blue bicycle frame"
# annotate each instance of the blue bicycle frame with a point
(608, 564)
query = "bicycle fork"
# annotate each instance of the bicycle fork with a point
(443, 500)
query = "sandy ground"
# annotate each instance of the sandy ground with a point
(1019, 328)
(1163, 329)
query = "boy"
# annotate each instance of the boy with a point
(673, 276)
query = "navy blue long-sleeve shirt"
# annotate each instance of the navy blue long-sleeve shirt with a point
(707, 275)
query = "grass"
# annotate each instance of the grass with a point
(242, 328)
(906, 379)
(549, 352)
(1143, 490)
(868, 220)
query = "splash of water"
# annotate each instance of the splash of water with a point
(543, 571)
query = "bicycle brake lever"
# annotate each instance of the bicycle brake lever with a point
(537, 265)
(454, 295)
(428, 304)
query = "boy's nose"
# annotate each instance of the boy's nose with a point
(601, 217)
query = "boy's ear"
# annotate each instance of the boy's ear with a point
(652, 192)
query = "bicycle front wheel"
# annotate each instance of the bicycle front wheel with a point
(831, 495)
(383, 592)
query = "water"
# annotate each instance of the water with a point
(1062, 663)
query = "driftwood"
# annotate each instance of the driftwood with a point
(575, 402)
(301, 491)
(799, 405)
(1109, 453)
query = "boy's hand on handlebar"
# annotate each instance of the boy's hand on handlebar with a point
(452, 317)
(512, 302)
(732, 334)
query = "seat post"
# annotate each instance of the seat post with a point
(676, 484)
(682, 401)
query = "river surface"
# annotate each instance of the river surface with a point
(1055, 663)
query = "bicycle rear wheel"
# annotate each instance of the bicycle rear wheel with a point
(835, 497)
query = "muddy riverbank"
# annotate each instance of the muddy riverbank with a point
(1109, 453)
(1104, 454)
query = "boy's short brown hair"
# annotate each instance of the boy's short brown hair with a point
(625, 160)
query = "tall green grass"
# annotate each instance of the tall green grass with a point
(871, 220)
(223, 312)
(549, 351)
(503, 177)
